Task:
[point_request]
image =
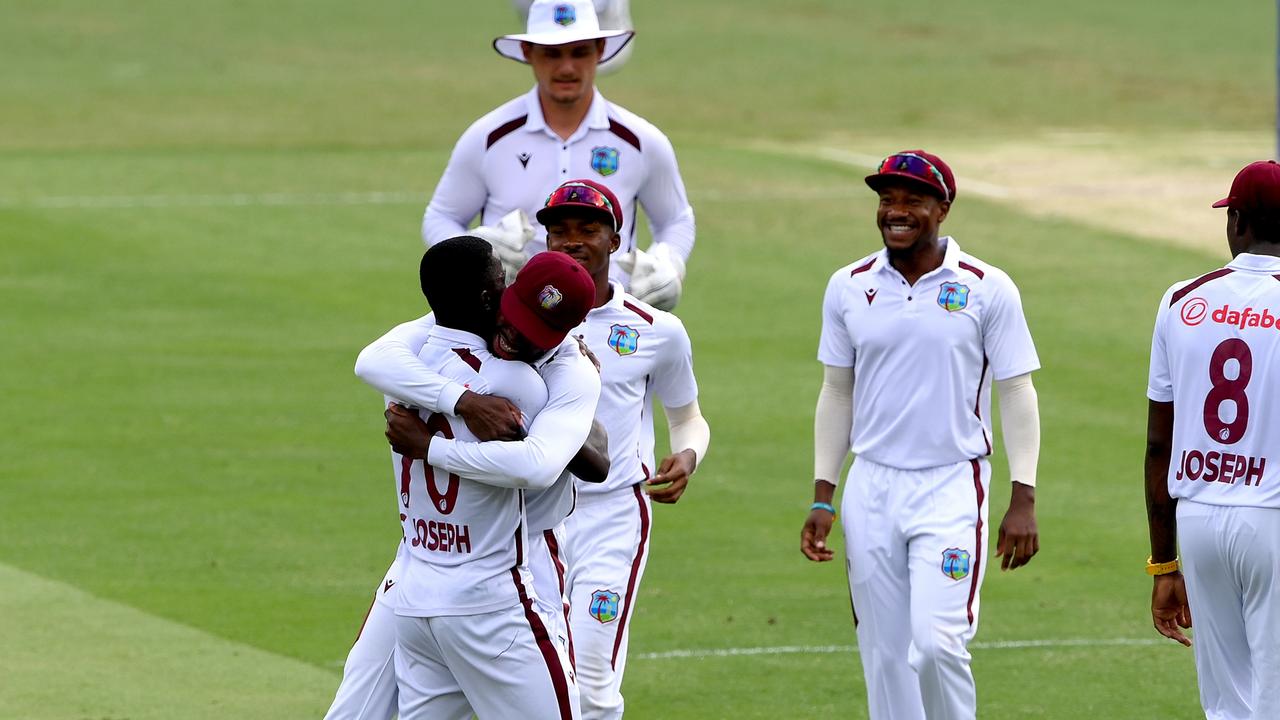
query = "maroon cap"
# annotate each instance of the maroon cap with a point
(1256, 187)
(551, 296)
(587, 194)
(919, 166)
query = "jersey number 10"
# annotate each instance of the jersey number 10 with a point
(1224, 389)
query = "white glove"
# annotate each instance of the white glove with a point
(508, 239)
(656, 276)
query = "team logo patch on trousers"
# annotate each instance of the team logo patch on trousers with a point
(955, 563)
(604, 605)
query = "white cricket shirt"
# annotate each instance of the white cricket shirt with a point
(924, 355)
(643, 351)
(1214, 355)
(464, 538)
(510, 159)
(391, 365)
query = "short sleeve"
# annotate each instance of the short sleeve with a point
(1159, 376)
(835, 346)
(674, 381)
(1006, 339)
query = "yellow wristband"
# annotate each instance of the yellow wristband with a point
(1164, 568)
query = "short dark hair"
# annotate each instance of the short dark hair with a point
(452, 274)
(1264, 224)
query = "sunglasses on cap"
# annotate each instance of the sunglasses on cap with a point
(915, 166)
(581, 195)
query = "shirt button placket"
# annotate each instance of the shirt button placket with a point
(564, 159)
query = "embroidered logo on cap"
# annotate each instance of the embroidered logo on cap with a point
(549, 297)
(565, 15)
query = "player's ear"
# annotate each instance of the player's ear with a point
(944, 207)
(527, 50)
(614, 243)
(600, 49)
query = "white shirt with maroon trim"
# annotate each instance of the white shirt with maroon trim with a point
(463, 537)
(510, 159)
(924, 355)
(643, 351)
(1215, 354)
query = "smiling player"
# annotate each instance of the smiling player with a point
(912, 337)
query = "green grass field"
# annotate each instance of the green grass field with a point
(207, 209)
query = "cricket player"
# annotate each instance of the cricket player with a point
(469, 636)
(1213, 421)
(912, 338)
(643, 352)
(505, 164)
(368, 689)
(613, 15)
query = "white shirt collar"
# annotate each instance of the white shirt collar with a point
(950, 258)
(1257, 263)
(597, 115)
(456, 338)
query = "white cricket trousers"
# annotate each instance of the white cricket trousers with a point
(549, 568)
(368, 687)
(606, 545)
(1231, 560)
(501, 665)
(915, 547)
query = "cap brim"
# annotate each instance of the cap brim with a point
(547, 214)
(1224, 202)
(529, 324)
(876, 181)
(508, 46)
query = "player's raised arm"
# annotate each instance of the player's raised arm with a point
(391, 365)
(832, 428)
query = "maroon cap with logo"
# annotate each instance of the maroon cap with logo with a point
(917, 165)
(1256, 187)
(551, 296)
(587, 194)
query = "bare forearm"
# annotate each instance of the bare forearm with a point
(1162, 518)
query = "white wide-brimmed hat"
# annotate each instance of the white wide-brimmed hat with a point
(559, 22)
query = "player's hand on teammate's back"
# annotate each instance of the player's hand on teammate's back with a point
(1169, 608)
(813, 537)
(1019, 539)
(508, 239)
(582, 346)
(406, 432)
(673, 476)
(489, 417)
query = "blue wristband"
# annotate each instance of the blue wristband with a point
(823, 506)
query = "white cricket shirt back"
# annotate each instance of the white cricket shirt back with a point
(924, 355)
(1214, 355)
(464, 538)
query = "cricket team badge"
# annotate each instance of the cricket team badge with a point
(604, 160)
(955, 563)
(623, 339)
(549, 297)
(565, 15)
(953, 296)
(604, 605)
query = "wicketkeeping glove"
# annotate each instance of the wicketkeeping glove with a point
(508, 239)
(656, 276)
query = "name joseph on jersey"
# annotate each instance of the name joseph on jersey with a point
(1214, 466)
(442, 537)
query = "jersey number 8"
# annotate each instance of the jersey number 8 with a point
(1224, 389)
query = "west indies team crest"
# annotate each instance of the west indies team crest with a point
(623, 339)
(953, 296)
(565, 15)
(604, 605)
(955, 563)
(549, 297)
(604, 160)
